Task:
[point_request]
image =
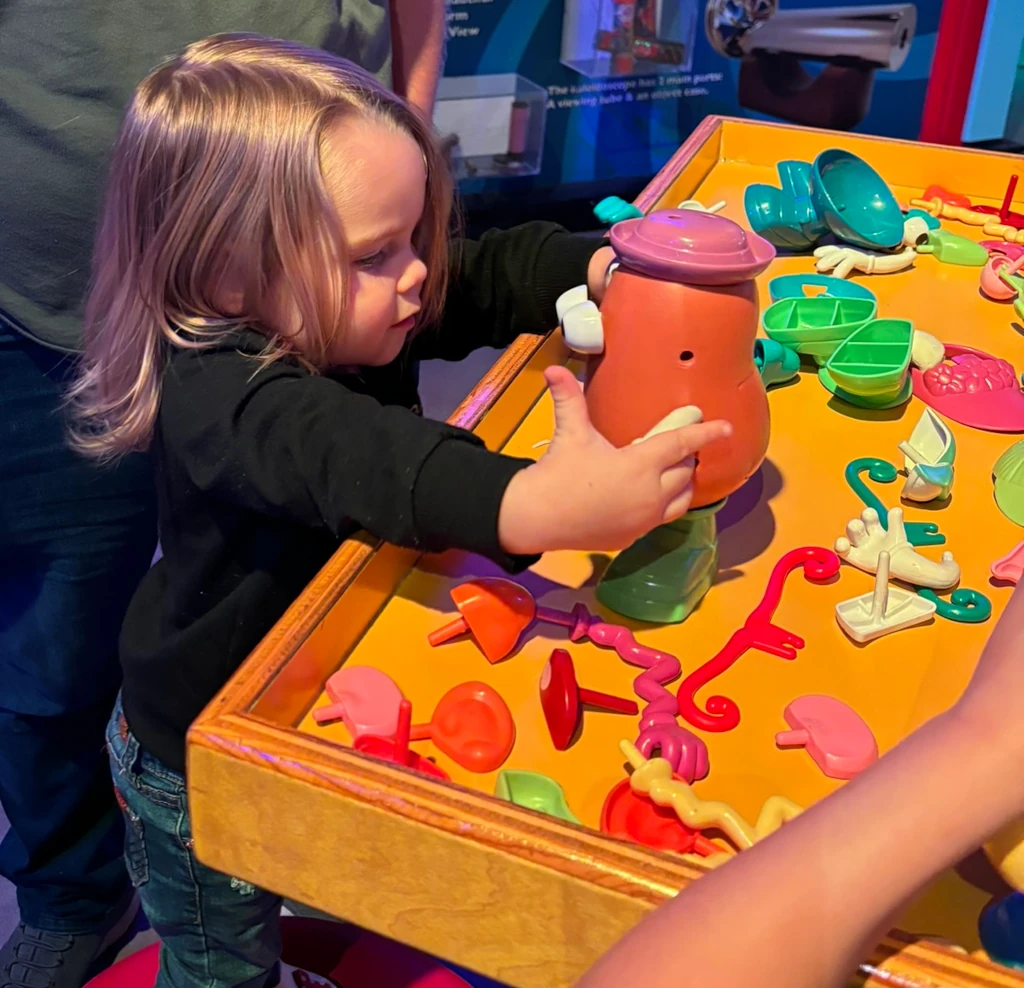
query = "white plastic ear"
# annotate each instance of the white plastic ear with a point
(583, 329)
(574, 296)
(926, 351)
(678, 418)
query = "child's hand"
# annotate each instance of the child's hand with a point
(586, 494)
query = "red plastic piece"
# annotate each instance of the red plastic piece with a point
(397, 750)
(494, 611)
(561, 698)
(472, 725)
(631, 816)
(1005, 214)
(758, 632)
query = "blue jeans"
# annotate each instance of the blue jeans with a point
(216, 931)
(75, 540)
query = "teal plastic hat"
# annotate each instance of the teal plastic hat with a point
(854, 201)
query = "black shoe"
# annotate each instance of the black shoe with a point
(34, 958)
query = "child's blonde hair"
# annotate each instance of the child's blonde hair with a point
(216, 174)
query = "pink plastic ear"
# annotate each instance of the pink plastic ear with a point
(834, 735)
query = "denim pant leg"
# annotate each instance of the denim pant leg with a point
(216, 931)
(75, 540)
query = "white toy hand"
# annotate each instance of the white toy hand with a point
(865, 539)
(841, 261)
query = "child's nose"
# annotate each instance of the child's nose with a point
(413, 276)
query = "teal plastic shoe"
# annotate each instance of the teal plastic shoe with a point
(776, 363)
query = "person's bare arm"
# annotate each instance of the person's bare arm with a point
(804, 907)
(417, 38)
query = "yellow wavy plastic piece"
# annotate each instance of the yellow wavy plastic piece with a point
(653, 778)
(1006, 852)
(989, 223)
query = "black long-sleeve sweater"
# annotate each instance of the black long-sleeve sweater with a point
(261, 472)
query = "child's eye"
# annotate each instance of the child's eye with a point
(371, 260)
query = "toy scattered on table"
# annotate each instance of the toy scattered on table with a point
(365, 698)
(722, 713)
(612, 209)
(866, 539)
(676, 327)
(951, 248)
(883, 472)
(833, 734)
(799, 285)
(715, 207)
(653, 777)
(472, 725)
(1001, 930)
(535, 792)
(776, 363)
(498, 611)
(1011, 566)
(843, 261)
(633, 816)
(965, 606)
(928, 457)
(870, 369)
(1002, 248)
(1008, 483)
(1002, 222)
(1000, 281)
(396, 749)
(884, 610)
(562, 699)
(973, 388)
(816, 327)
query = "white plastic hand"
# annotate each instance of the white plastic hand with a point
(865, 539)
(841, 261)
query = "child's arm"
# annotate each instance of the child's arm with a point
(804, 907)
(506, 283)
(417, 36)
(307, 450)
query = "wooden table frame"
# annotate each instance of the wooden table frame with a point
(551, 894)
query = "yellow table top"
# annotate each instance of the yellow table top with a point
(895, 683)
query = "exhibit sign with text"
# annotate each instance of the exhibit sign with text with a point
(548, 94)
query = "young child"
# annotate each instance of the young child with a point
(271, 265)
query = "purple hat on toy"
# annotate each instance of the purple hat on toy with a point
(692, 247)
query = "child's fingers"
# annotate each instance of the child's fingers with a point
(670, 448)
(571, 418)
(677, 477)
(679, 505)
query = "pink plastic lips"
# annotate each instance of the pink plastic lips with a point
(692, 247)
(365, 698)
(974, 388)
(834, 735)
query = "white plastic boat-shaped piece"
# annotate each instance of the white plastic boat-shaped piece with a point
(884, 610)
(928, 459)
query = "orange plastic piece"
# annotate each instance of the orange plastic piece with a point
(944, 195)
(633, 816)
(669, 344)
(472, 725)
(494, 611)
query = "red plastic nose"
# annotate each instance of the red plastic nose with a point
(494, 611)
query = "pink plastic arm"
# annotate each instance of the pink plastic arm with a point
(722, 714)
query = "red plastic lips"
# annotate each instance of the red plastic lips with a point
(629, 815)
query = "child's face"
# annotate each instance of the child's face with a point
(377, 179)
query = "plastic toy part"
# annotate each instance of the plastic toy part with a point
(365, 698)
(722, 714)
(1008, 483)
(928, 457)
(580, 320)
(797, 285)
(562, 698)
(1011, 566)
(965, 606)
(816, 327)
(951, 248)
(936, 201)
(1003, 211)
(472, 725)
(534, 792)
(716, 207)
(854, 201)
(632, 816)
(396, 749)
(926, 351)
(883, 472)
(786, 216)
(776, 363)
(870, 368)
(973, 388)
(835, 736)
(653, 778)
(494, 611)
(612, 209)
(843, 261)
(502, 603)
(884, 610)
(866, 540)
(999, 280)
(1001, 930)
(1000, 247)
